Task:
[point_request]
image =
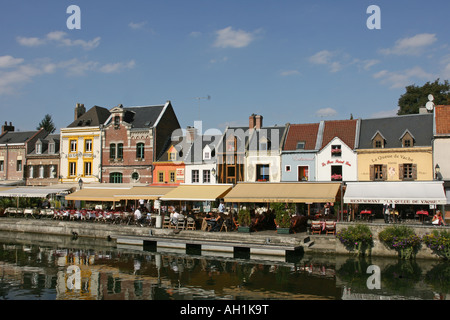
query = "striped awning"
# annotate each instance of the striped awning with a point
(296, 192)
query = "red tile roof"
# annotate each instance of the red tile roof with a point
(302, 132)
(442, 116)
(343, 129)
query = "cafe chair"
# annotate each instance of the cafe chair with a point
(224, 225)
(190, 224)
(181, 223)
(330, 227)
(316, 227)
(166, 222)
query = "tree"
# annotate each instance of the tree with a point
(416, 97)
(47, 124)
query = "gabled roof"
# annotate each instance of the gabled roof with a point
(94, 117)
(419, 125)
(55, 138)
(142, 117)
(17, 136)
(274, 134)
(343, 129)
(302, 133)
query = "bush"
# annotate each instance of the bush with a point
(282, 215)
(244, 218)
(356, 238)
(439, 243)
(401, 239)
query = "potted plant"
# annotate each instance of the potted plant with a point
(282, 217)
(244, 220)
(401, 239)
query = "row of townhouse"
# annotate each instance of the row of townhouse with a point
(146, 145)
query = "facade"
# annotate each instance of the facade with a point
(170, 168)
(337, 158)
(80, 152)
(133, 139)
(396, 148)
(14, 148)
(441, 142)
(298, 158)
(42, 168)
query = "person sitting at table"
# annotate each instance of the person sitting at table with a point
(437, 219)
(217, 224)
(174, 218)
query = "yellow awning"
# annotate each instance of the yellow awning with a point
(198, 192)
(298, 192)
(94, 194)
(146, 193)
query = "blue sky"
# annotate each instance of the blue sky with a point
(290, 61)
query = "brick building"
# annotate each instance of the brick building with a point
(132, 139)
(42, 167)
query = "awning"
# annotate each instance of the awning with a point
(198, 192)
(146, 193)
(402, 192)
(31, 192)
(298, 192)
(95, 194)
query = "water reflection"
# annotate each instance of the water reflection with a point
(52, 268)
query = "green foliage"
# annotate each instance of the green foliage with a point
(401, 239)
(244, 217)
(416, 97)
(439, 243)
(356, 238)
(47, 124)
(282, 215)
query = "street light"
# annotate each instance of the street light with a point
(80, 183)
(437, 172)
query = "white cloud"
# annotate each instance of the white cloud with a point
(137, 25)
(59, 38)
(117, 67)
(403, 78)
(223, 59)
(321, 57)
(326, 112)
(9, 61)
(384, 113)
(289, 73)
(411, 46)
(228, 37)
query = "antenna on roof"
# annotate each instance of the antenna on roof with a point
(430, 104)
(208, 97)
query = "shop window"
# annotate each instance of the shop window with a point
(303, 173)
(115, 177)
(262, 172)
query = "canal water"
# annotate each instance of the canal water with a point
(43, 267)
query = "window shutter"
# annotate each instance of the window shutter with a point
(384, 172)
(400, 172)
(372, 172)
(414, 171)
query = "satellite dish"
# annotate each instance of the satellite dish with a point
(430, 97)
(429, 105)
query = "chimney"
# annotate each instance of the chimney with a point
(258, 121)
(191, 134)
(252, 121)
(6, 128)
(79, 110)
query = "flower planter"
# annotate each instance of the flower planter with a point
(283, 230)
(244, 229)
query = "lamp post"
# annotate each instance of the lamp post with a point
(213, 172)
(80, 183)
(437, 172)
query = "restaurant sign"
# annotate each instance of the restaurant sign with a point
(398, 201)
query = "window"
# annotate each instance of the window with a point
(336, 151)
(112, 151)
(287, 168)
(172, 176)
(120, 151)
(408, 171)
(116, 122)
(303, 173)
(407, 143)
(135, 176)
(38, 148)
(30, 171)
(378, 172)
(73, 145)
(88, 145)
(51, 147)
(300, 145)
(88, 168)
(172, 156)
(336, 173)
(262, 172)
(206, 176)
(115, 177)
(41, 172)
(2, 164)
(161, 176)
(195, 176)
(19, 165)
(72, 169)
(53, 171)
(206, 155)
(140, 150)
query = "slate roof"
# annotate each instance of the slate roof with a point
(301, 132)
(142, 117)
(94, 117)
(16, 136)
(269, 133)
(45, 142)
(392, 128)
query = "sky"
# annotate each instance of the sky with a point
(291, 61)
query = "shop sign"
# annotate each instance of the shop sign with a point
(337, 161)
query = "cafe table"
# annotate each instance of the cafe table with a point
(367, 213)
(422, 214)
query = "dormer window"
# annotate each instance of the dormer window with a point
(378, 141)
(51, 147)
(300, 145)
(206, 155)
(407, 140)
(39, 147)
(172, 156)
(116, 122)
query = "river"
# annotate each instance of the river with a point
(44, 267)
